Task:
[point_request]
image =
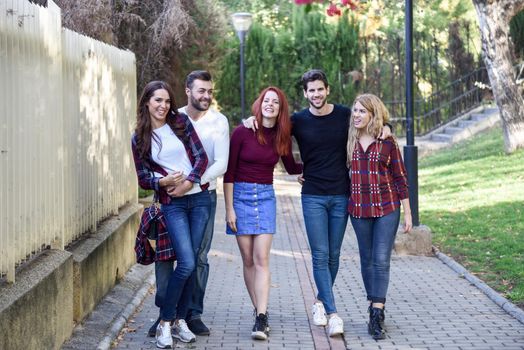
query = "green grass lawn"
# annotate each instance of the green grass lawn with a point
(472, 198)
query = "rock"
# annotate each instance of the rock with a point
(416, 242)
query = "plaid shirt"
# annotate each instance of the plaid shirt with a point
(146, 168)
(153, 221)
(378, 179)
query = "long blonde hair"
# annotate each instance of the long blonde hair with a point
(379, 115)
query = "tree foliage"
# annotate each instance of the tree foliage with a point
(272, 14)
(444, 43)
(360, 50)
(281, 57)
(517, 34)
(169, 37)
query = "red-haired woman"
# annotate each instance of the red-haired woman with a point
(249, 195)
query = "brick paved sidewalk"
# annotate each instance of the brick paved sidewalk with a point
(429, 305)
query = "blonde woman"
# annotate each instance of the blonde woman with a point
(378, 188)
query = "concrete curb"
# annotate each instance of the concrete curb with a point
(498, 299)
(120, 320)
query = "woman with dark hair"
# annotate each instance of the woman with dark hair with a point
(170, 159)
(249, 195)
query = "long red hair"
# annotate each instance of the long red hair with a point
(283, 125)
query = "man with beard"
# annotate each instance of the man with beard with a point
(321, 131)
(213, 130)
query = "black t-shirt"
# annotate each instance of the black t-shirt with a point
(322, 143)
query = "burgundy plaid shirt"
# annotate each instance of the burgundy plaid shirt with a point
(153, 220)
(146, 168)
(378, 179)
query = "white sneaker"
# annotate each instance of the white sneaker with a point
(319, 314)
(336, 326)
(163, 336)
(182, 332)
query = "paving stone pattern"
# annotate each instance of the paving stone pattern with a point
(429, 306)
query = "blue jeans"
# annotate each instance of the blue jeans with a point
(163, 269)
(202, 269)
(325, 217)
(376, 237)
(186, 219)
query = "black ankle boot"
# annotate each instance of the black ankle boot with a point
(376, 323)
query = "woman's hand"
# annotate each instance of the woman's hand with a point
(231, 219)
(172, 180)
(386, 132)
(408, 223)
(181, 189)
(300, 179)
(179, 178)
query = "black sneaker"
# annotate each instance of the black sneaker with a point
(152, 331)
(198, 327)
(260, 329)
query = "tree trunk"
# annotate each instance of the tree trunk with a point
(494, 17)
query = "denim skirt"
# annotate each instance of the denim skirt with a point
(255, 208)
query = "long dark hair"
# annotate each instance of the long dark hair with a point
(144, 130)
(283, 125)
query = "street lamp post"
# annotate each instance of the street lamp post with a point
(242, 21)
(410, 150)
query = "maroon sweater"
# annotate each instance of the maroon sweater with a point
(249, 161)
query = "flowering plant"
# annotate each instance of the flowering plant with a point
(334, 8)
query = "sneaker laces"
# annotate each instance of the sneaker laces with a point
(257, 323)
(318, 308)
(183, 326)
(165, 329)
(263, 320)
(336, 321)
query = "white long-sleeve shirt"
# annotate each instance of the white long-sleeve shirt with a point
(172, 155)
(213, 131)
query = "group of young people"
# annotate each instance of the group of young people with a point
(351, 167)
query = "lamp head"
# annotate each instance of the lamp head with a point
(242, 21)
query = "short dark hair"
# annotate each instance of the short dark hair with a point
(197, 74)
(312, 75)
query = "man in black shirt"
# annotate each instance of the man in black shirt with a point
(321, 131)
